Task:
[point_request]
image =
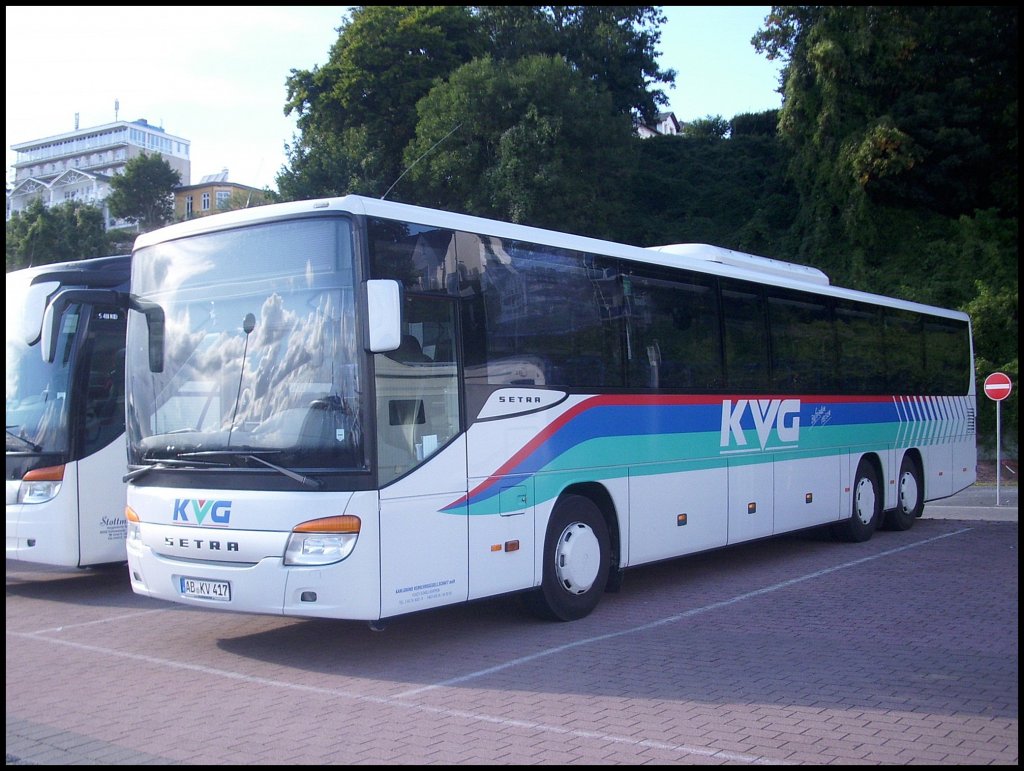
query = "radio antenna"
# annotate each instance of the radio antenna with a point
(425, 153)
(248, 324)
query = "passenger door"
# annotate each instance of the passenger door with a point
(421, 463)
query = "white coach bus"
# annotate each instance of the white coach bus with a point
(357, 409)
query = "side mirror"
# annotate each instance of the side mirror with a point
(61, 300)
(59, 303)
(155, 326)
(383, 315)
(35, 308)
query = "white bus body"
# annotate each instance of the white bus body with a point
(65, 417)
(559, 409)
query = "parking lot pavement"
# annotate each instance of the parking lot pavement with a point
(977, 502)
(902, 650)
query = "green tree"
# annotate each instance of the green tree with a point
(709, 127)
(764, 124)
(41, 235)
(614, 46)
(144, 192)
(357, 113)
(900, 106)
(530, 141)
(994, 312)
(732, 193)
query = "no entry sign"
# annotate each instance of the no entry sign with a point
(997, 386)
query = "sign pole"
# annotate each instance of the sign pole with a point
(999, 460)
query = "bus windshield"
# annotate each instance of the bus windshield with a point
(261, 354)
(37, 391)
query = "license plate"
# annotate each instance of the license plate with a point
(205, 589)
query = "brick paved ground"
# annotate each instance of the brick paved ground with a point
(799, 650)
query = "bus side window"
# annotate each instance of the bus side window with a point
(746, 336)
(674, 332)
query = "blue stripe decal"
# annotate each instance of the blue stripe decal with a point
(685, 428)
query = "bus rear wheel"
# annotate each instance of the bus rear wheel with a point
(576, 561)
(909, 498)
(867, 506)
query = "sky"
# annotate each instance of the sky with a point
(215, 75)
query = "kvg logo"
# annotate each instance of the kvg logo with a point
(782, 415)
(219, 512)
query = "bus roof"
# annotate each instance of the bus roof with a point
(97, 272)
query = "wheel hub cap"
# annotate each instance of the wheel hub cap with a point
(865, 501)
(577, 558)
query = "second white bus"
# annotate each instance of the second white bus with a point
(65, 412)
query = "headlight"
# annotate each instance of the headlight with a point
(41, 485)
(322, 541)
(134, 524)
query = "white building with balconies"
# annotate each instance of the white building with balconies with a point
(78, 165)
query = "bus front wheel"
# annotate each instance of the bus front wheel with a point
(867, 506)
(576, 561)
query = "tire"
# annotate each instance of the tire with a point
(867, 506)
(910, 497)
(576, 561)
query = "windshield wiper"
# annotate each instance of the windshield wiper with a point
(316, 484)
(166, 462)
(28, 443)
